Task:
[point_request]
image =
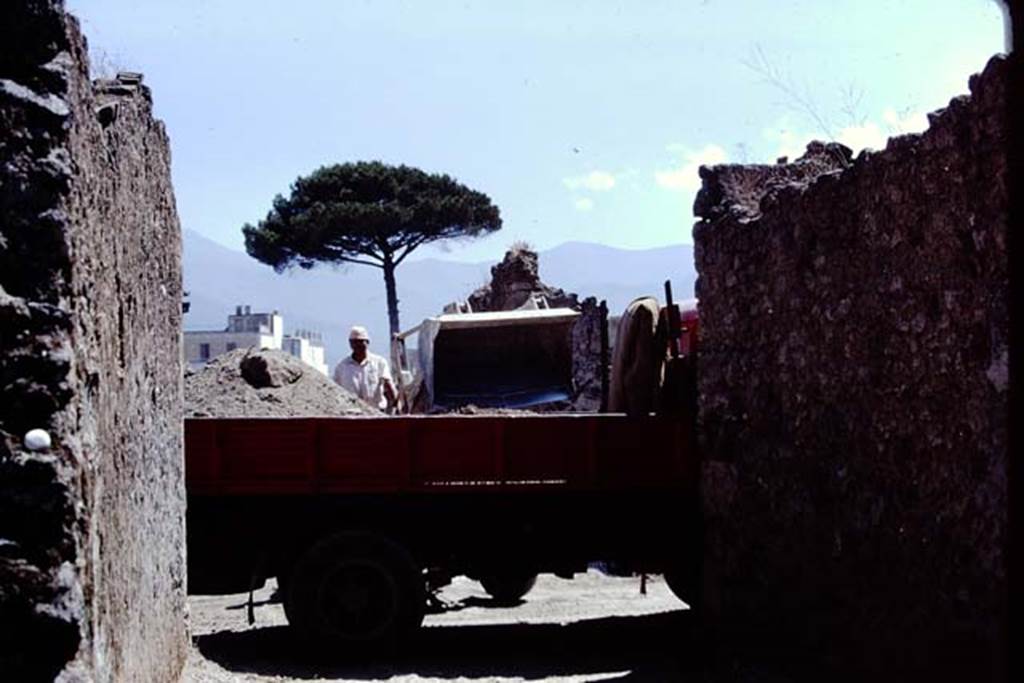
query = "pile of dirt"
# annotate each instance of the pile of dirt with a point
(266, 383)
(477, 410)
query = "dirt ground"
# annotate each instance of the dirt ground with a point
(592, 628)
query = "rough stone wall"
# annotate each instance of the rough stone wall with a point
(853, 396)
(587, 360)
(91, 528)
(514, 281)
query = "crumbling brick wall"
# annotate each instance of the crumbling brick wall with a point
(853, 395)
(91, 528)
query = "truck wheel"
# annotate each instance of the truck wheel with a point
(282, 588)
(507, 587)
(683, 579)
(357, 589)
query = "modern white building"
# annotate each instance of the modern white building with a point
(246, 329)
(307, 346)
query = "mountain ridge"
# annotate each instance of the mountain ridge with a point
(330, 300)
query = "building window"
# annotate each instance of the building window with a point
(204, 352)
(232, 346)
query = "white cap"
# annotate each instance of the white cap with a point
(358, 332)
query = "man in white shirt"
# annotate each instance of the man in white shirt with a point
(365, 374)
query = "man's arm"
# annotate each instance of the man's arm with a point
(389, 391)
(387, 384)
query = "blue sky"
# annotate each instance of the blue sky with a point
(581, 120)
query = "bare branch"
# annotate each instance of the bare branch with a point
(797, 98)
(408, 248)
(852, 97)
(359, 261)
(339, 253)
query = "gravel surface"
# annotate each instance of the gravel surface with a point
(266, 383)
(477, 410)
(593, 628)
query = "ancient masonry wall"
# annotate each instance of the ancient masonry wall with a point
(853, 395)
(91, 528)
(587, 370)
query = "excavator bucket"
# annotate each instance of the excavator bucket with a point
(510, 359)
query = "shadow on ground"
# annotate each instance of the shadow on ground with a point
(655, 647)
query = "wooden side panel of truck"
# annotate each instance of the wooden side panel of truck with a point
(405, 455)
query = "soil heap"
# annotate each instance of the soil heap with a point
(266, 383)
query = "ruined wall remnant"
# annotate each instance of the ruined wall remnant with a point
(514, 281)
(91, 528)
(588, 363)
(853, 394)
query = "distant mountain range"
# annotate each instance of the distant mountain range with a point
(330, 300)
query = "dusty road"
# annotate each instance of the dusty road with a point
(593, 628)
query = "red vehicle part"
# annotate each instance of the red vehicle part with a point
(689, 326)
(435, 454)
(353, 514)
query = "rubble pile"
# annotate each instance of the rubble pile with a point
(853, 395)
(513, 282)
(477, 410)
(266, 383)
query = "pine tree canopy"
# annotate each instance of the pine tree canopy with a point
(369, 213)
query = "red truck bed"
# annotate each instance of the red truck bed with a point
(288, 456)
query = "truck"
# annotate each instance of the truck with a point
(455, 360)
(360, 519)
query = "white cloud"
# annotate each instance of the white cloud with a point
(788, 142)
(685, 177)
(869, 134)
(596, 181)
(900, 122)
(584, 204)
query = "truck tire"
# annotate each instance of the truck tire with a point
(507, 587)
(684, 580)
(357, 589)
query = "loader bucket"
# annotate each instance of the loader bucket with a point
(510, 359)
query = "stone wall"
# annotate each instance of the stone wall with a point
(589, 364)
(513, 281)
(853, 397)
(92, 527)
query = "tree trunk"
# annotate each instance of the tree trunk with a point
(389, 285)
